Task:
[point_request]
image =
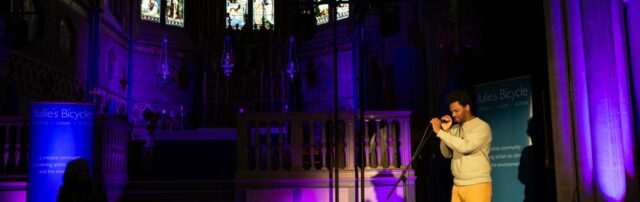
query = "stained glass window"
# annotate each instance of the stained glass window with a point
(150, 10)
(175, 13)
(343, 11)
(236, 11)
(263, 13)
(322, 12)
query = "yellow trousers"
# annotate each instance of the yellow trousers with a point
(471, 193)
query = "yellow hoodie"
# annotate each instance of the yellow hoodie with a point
(469, 146)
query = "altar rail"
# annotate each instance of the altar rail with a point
(301, 141)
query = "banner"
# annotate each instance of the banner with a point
(506, 106)
(60, 132)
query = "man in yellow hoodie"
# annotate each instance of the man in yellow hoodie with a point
(468, 142)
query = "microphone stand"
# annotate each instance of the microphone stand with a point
(403, 177)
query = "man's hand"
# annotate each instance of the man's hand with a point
(447, 125)
(438, 125)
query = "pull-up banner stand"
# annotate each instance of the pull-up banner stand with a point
(506, 106)
(60, 132)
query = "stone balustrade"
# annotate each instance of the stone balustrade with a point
(285, 143)
(14, 139)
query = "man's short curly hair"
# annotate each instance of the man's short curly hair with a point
(459, 95)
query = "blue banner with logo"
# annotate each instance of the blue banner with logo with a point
(506, 106)
(60, 132)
